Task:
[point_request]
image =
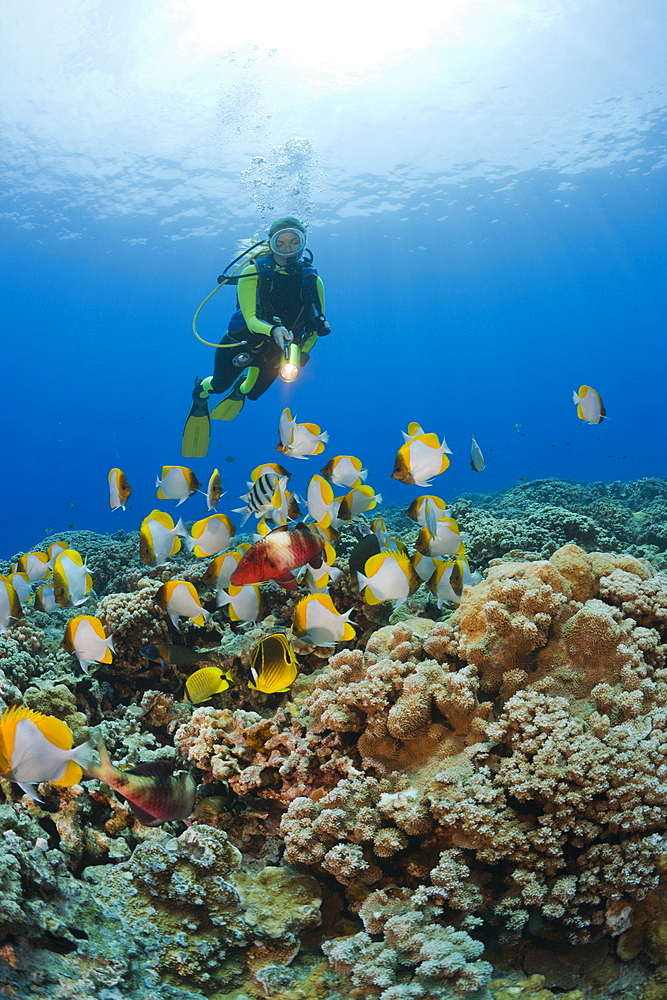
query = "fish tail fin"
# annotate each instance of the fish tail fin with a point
(104, 769)
(83, 755)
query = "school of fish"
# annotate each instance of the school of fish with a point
(294, 549)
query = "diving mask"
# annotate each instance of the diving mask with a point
(288, 243)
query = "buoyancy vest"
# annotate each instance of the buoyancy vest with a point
(285, 293)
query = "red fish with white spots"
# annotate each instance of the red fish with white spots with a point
(272, 557)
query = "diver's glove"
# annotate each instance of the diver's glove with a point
(282, 336)
(321, 327)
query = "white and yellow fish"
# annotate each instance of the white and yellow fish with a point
(119, 489)
(299, 440)
(357, 501)
(427, 510)
(210, 535)
(71, 580)
(214, 490)
(36, 747)
(176, 483)
(35, 564)
(589, 405)
(345, 470)
(86, 638)
(317, 621)
(421, 457)
(21, 584)
(424, 566)
(10, 606)
(286, 507)
(180, 600)
(243, 603)
(219, 571)
(447, 540)
(388, 577)
(160, 538)
(275, 467)
(449, 579)
(54, 551)
(322, 505)
(45, 599)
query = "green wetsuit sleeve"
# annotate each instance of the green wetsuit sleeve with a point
(320, 293)
(247, 294)
(312, 337)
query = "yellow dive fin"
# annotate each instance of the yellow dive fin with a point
(197, 431)
(229, 407)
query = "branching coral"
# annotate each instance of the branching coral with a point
(418, 956)
(555, 799)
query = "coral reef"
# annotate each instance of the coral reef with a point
(200, 905)
(457, 804)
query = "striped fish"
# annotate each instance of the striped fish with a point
(264, 496)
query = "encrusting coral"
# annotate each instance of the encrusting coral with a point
(200, 904)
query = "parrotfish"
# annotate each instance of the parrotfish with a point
(36, 747)
(154, 792)
(282, 550)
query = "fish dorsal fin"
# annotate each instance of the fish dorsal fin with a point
(152, 769)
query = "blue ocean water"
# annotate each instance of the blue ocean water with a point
(486, 203)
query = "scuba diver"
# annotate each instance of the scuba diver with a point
(279, 317)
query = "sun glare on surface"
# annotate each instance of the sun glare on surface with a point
(347, 39)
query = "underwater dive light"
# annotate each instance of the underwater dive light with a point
(289, 370)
